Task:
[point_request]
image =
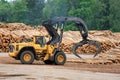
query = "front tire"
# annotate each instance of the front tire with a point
(60, 58)
(27, 57)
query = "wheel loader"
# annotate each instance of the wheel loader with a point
(26, 52)
(50, 52)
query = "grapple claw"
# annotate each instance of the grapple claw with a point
(90, 42)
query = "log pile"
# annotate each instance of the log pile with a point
(111, 56)
(15, 26)
(5, 41)
(107, 39)
(14, 32)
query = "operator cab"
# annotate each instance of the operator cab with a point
(40, 40)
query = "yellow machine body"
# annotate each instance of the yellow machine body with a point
(37, 49)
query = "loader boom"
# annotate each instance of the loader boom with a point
(80, 24)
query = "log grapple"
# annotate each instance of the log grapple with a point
(81, 26)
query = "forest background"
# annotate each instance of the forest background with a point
(98, 14)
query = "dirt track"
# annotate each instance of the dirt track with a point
(11, 69)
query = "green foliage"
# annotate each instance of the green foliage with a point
(55, 8)
(70, 27)
(26, 11)
(115, 15)
(97, 14)
(18, 11)
(5, 11)
(82, 9)
(34, 14)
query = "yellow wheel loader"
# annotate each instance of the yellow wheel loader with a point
(50, 52)
(38, 49)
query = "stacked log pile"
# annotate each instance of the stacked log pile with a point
(14, 32)
(110, 47)
(15, 26)
(111, 56)
(107, 39)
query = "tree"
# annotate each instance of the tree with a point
(55, 8)
(97, 19)
(19, 10)
(5, 11)
(35, 8)
(115, 15)
(82, 9)
(97, 14)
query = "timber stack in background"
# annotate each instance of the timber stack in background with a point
(14, 32)
(17, 32)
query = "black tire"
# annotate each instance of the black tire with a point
(61, 55)
(22, 57)
(48, 62)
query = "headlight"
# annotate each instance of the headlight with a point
(11, 48)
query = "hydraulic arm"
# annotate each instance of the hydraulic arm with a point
(57, 38)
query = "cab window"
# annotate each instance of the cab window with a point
(40, 40)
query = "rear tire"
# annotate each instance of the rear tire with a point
(27, 57)
(60, 58)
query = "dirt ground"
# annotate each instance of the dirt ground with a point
(11, 69)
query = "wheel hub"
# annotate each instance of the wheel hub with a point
(27, 57)
(60, 58)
